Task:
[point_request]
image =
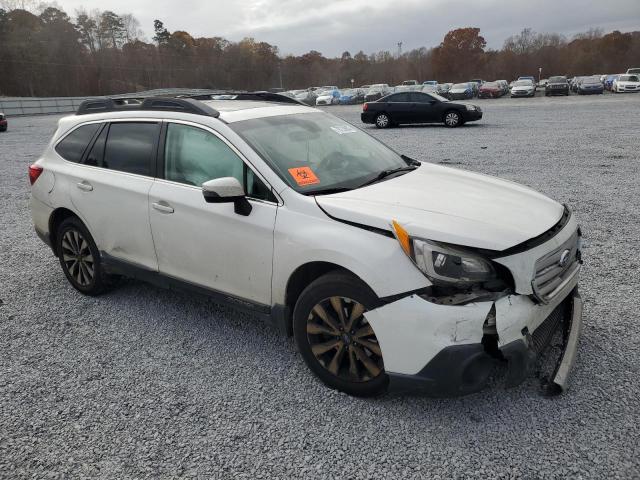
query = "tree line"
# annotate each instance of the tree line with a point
(45, 52)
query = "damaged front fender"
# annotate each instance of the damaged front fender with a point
(412, 331)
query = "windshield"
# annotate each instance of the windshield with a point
(557, 80)
(349, 92)
(523, 83)
(490, 85)
(628, 78)
(317, 151)
(458, 86)
(592, 80)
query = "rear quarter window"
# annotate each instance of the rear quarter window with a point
(72, 147)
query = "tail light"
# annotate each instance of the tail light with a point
(365, 106)
(34, 173)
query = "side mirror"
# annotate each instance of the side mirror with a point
(227, 190)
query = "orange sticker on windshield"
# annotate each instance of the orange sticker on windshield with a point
(304, 176)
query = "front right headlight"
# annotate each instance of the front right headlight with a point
(445, 264)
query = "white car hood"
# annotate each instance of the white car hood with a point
(325, 97)
(626, 83)
(522, 88)
(458, 90)
(451, 206)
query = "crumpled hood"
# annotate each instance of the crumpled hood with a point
(451, 206)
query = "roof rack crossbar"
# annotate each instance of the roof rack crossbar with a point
(166, 104)
(256, 96)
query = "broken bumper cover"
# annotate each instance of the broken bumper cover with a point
(522, 354)
(459, 363)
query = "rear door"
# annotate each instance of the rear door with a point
(400, 107)
(208, 244)
(109, 188)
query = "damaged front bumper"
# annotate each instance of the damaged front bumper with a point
(444, 350)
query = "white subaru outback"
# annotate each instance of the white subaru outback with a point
(389, 273)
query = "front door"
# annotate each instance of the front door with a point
(208, 244)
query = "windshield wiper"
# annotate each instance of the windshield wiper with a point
(385, 173)
(327, 191)
(411, 161)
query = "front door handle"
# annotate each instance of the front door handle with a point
(163, 207)
(84, 186)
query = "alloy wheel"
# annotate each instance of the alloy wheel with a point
(382, 121)
(342, 340)
(452, 119)
(77, 257)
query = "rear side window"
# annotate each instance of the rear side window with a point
(399, 97)
(130, 147)
(74, 144)
(96, 154)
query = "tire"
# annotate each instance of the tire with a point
(452, 119)
(80, 259)
(383, 120)
(344, 357)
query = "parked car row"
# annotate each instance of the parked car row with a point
(618, 83)
(332, 95)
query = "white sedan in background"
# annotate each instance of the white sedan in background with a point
(328, 97)
(626, 83)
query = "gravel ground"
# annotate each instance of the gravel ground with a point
(148, 383)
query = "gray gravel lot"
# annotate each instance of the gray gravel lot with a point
(148, 383)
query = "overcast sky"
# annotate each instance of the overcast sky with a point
(332, 26)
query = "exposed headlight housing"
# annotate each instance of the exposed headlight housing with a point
(471, 107)
(445, 264)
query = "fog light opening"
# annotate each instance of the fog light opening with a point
(490, 335)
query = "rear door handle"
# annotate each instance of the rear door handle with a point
(163, 207)
(85, 186)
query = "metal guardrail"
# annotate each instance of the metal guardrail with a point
(16, 106)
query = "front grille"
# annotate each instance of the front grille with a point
(544, 333)
(556, 268)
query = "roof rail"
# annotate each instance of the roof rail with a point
(257, 96)
(166, 104)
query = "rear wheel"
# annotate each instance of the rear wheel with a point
(452, 119)
(80, 258)
(335, 339)
(383, 120)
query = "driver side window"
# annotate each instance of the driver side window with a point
(421, 98)
(193, 156)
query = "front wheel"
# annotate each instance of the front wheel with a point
(383, 120)
(335, 339)
(452, 119)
